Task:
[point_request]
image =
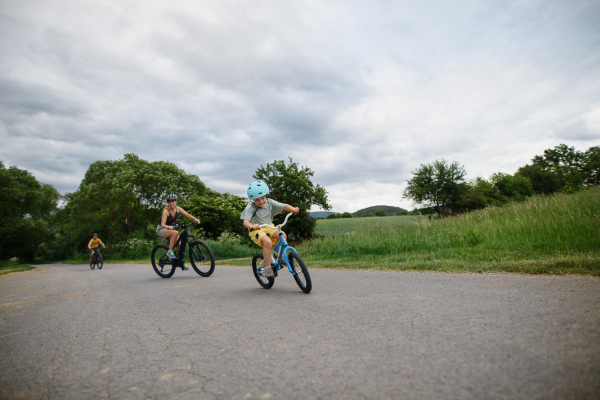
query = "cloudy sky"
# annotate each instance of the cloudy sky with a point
(360, 92)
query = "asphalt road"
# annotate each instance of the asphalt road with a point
(67, 332)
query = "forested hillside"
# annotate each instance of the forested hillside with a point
(389, 210)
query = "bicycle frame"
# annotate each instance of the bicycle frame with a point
(283, 246)
(189, 238)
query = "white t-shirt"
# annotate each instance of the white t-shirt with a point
(265, 214)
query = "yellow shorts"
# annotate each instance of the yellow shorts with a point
(256, 236)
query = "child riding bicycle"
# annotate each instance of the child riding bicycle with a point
(93, 244)
(261, 211)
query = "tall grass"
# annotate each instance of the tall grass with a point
(545, 234)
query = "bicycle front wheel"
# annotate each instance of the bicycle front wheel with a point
(258, 262)
(100, 263)
(300, 272)
(161, 262)
(92, 265)
(202, 258)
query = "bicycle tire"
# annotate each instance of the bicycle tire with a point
(200, 256)
(301, 275)
(92, 264)
(266, 283)
(161, 262)
(100, 262)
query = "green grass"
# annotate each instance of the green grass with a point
(545, 234)
(335, 227)
(12, 266)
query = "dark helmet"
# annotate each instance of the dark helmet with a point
(95, 234)
(172, 197)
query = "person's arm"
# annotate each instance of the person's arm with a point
(295, 210)
(185, 214)
(251, 226)
(102, 243)
(90, 244)
(163, 221)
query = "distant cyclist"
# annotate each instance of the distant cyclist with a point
(166, 223)
(93, 244)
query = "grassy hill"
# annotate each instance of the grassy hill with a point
(389, 210)
(545, 234)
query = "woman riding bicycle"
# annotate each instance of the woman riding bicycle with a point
(166, 224)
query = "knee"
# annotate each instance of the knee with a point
(266, 242)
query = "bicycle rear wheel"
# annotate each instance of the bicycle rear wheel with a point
(300, 271)
(258, 262)
(202, 258)
(161, 262)
(100, 262)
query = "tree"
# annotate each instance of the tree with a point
(118, 198)
(380, 213)
(543, 181)
(438, 184)
(566, 163)
(217, 213)
(512, 187)
(480, 194)
(25, 205)
(591, 167)
(291, 184)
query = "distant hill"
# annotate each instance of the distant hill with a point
(321, 214)
(389, 210)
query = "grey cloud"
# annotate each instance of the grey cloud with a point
(577, 130)
(223, 88)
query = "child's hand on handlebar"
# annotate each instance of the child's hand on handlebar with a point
(296, 210)
(255, 227)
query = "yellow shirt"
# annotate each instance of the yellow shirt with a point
(94, 242)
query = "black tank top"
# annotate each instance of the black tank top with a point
(170, 219)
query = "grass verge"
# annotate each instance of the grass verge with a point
(544, 235)
(12, 266)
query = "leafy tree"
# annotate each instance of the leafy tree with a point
(380, 213)
(346, 215)
(543, 181)
(291, 184)
(480, 194)
(566, 163)
(217, 213)
(438, 184)
(512, 187)
(591, 167)
(123, 197)
(25, 206)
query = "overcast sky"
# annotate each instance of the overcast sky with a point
(361, 92)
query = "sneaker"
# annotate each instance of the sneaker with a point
(170, 254)
(185, 267)
(268, 272)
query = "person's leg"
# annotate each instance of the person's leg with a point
(91, 254)
(266, 245)
(172, 236)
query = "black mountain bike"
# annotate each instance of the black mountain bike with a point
(201, 256)
(97, 259)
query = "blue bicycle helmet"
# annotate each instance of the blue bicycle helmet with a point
(257, 189)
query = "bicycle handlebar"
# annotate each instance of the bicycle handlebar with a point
(275, 227)
(177, 227)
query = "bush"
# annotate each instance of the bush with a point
(380, 213)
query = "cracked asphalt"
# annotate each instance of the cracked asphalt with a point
(67, 332)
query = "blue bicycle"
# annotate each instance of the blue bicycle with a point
(282, 255)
